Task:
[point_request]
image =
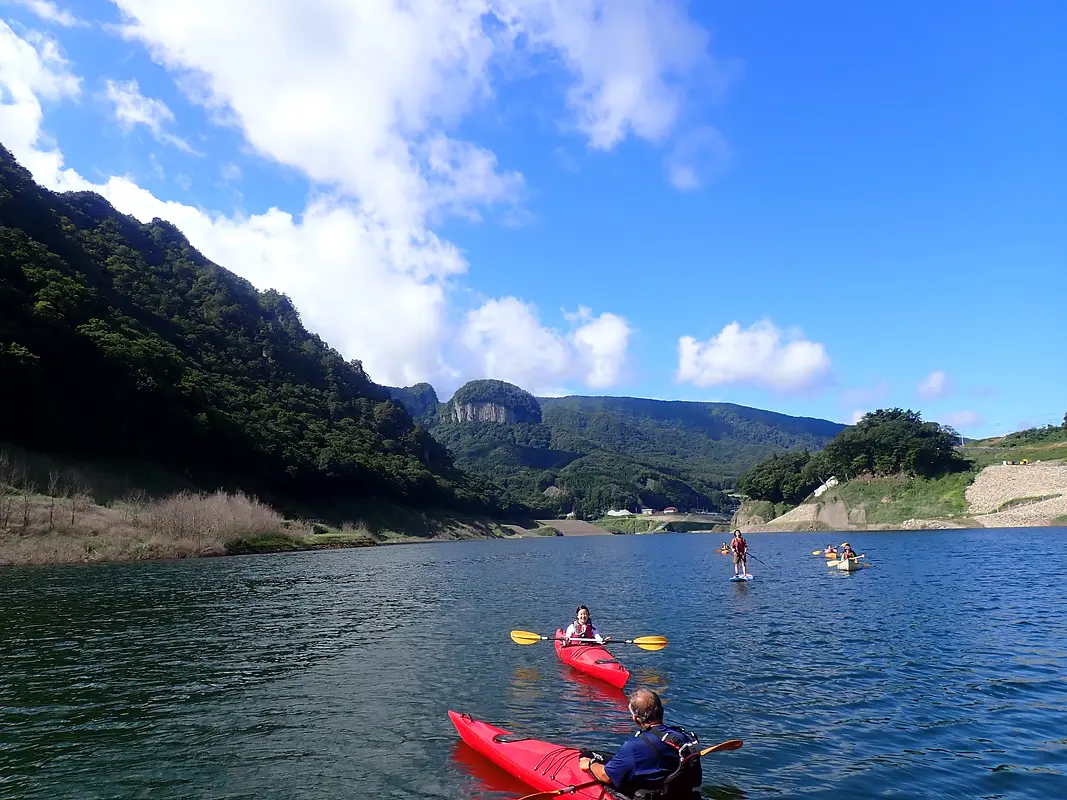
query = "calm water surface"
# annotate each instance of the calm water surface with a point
(939, 672)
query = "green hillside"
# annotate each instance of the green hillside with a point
(119, 340)
(590, 454)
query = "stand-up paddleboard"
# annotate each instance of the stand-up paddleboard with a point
(746, 577)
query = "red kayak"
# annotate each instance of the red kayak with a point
(592, 659)
(542, 765)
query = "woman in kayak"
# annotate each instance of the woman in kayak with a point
(848, 552)
(583, 628)
(831, 550)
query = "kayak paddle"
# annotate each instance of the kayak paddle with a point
(730, 744)
(838, 561)
(564, 790)
(816, 552)
(644, 642)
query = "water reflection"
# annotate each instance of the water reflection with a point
(648, 678)
(722, 792)
(483, 778)
(526, 688)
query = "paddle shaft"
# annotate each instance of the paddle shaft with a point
(564, 790)
(835, 562)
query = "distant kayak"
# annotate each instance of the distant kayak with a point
(543, 765)
(592, 659)
(847, 565)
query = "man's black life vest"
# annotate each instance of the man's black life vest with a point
(684, 782)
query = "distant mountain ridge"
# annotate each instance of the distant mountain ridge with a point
(589, 454)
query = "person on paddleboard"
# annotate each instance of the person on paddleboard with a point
(583, 628)
(740, 549)
(660, 762)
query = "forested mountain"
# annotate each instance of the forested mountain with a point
(884, 442)
(590, 454)
(119, 339)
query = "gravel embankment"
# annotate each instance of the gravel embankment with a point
(999, 484)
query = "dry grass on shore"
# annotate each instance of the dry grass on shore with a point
(63, 525)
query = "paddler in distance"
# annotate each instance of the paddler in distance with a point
(583, 628)
(660, 762)
(740, 550)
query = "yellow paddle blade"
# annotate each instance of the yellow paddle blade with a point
(525, 637)
(816, 552)
(651, 642)
(731, 744)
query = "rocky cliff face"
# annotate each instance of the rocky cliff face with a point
(492, 401)
(487, 412)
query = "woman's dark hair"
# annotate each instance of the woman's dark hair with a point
(583, 608)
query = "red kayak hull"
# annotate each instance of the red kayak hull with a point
(542, 765)
(592, 659)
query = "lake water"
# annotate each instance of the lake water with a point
(939, 672)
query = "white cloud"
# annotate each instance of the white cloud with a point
(962, 419)
(132, 109)
(356, 96)
(32, 70)
(759, 355)
(230, 172)
(364, 100)
(49, 12)
(935, 385)
(602, 343)
(698, 157)
(857, 415)
(506, 339)
(631, 60)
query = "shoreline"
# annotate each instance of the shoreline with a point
(71, 528)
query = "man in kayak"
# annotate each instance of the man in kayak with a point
(659, 763)
(740, 548)
(583, 628)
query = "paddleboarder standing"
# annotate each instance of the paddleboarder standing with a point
(740, 549)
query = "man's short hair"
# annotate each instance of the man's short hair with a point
(646, 707)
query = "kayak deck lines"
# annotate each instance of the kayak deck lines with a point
(543, 765)
(592, 659)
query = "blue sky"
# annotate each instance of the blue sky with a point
(817, 209)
